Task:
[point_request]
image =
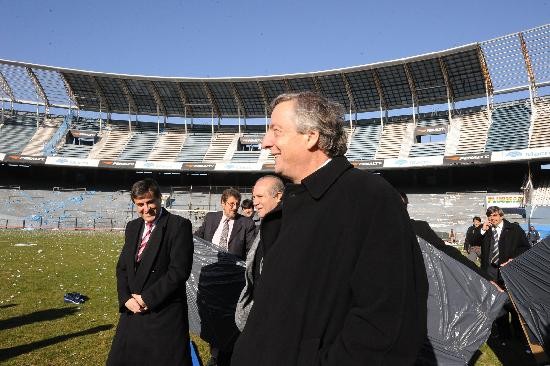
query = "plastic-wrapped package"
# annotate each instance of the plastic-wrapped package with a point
(213, 289)
(461, 309)
(527, 279)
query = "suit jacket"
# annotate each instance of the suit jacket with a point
(159, 336)
(329, 292)
(241, 237)
(512, 242)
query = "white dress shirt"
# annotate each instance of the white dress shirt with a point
(218, 232)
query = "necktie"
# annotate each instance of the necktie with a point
(145, 240)
(494, 255)
(223, 236)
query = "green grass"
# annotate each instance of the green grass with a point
(38, 328)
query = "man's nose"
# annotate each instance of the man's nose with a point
(267, 141)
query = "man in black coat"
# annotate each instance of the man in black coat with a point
(335, 288)
(501, 241)
(472, 247)
(228, 229)
(151, 272)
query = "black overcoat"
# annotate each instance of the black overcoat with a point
(161, 335)
(511, 243)
(344, 283)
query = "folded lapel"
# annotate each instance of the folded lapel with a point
(132, 244)
(150, 252)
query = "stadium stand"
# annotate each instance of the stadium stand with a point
(74, 151)
(464, 74)
(437, 119)
(138, 146)
(396, 139)
(112, 143)
(245, 156)
(427, 149)
(471, 126)
(364, 140)
(509, 129)
(35, 147)
(65, 208)
(195, 147)
(221, 144)
(17, 131)
(85, 124)
(541, 194)
(167, 147)
(540, 135)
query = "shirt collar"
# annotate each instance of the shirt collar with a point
(226, 218)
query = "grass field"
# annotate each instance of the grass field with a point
(37, 328)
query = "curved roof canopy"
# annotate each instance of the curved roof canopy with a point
(509, 63)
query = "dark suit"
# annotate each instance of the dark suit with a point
(511, 243)
(159, 336)
(241, 237)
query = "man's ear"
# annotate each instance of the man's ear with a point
(312, 139)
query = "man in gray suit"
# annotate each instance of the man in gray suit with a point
(227, 229)
(266, 195)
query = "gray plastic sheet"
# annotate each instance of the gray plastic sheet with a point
(461, 309)
(527, 279)
(213, 289)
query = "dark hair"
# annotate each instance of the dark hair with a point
(247, 203)
(476, 218)
(314, 112)
(142, 187)
(492, 209)
(230, 192)
(404, 198)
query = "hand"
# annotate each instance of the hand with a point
(133, 305)
(140, 301)
(497, 286)
(486, 225)
(505, 263)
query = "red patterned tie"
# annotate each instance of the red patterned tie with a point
(144, 241)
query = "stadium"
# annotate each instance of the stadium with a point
(457, 130)
(431, 124)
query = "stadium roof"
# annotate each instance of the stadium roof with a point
(510, 63)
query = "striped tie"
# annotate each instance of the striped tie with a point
(144, 241)
(494, 256)
(225, 233)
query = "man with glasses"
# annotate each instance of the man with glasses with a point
(227, 229)
(234, 233)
